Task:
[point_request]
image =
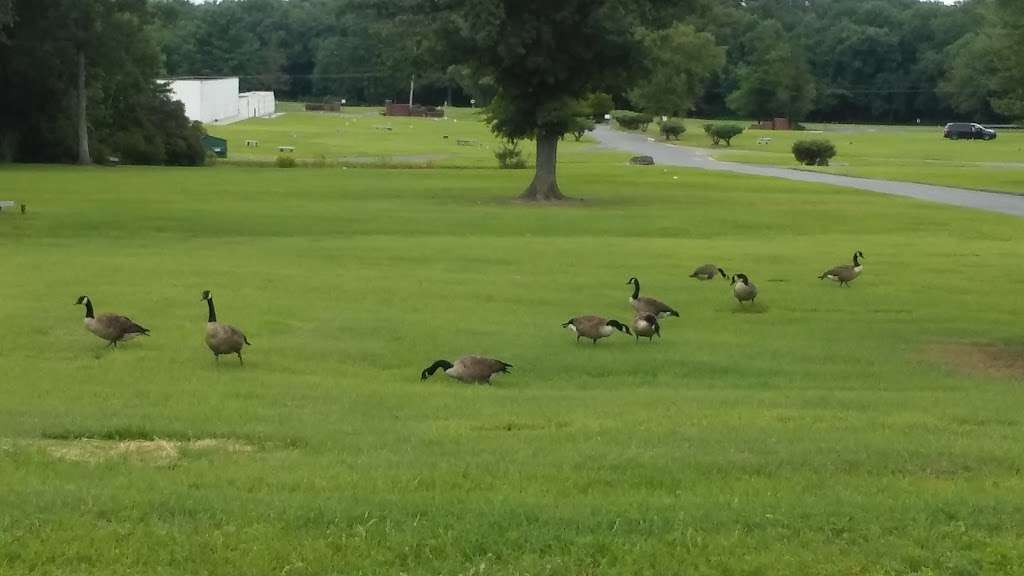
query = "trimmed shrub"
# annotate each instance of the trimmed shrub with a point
(813, 152)
(580, 126)
(509, 156)
(672, 128)
(645, 120)
(627, 119)
(708, 127)
(724, 133)
(285, 162)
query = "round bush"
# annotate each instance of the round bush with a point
(723, 132)
(627, 119)
(285, 162)
(672, 128)
(813, 152)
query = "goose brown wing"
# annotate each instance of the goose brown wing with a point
(479, 367)
(121, 325)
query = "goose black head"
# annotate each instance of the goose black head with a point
(619, 326)
(633, 280)
(858, 254)
(82, 301)
(743, 278)
(429, 370)
(206, 295)
(722, 272)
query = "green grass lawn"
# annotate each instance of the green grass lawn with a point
(819, 432)
(914, 154)
(363, 137)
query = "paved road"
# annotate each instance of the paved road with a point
(676, 155)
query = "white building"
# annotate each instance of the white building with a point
(256, 104)
(216, 100)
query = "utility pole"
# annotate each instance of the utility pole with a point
(412, 89)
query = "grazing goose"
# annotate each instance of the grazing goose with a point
(468, 369)
(221, 338)
(845, 273)
(594, 327)
(708, 272)
(646, 325)
(644, 305)
(743, 289)
(110, 327)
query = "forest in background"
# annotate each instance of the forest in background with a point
(884, 61)
(78, 75)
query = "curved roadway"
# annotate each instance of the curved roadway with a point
(676, 155)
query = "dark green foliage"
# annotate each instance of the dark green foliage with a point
(776, 80)
(1009, 78)
(672, 128)
(708, 127)
(627, 119)
(509, 156)
(678, 62)
(813, 152)
(285, 162)
(580, 126)
(128, 114)
(723, 133)
(597, 105)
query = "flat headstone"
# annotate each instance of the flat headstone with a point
(641, 161)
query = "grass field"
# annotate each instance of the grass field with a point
(361, 137)
(869, 430)
(913, 154)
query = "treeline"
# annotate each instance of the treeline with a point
(830, 60)
(76, 84)
(77, 76)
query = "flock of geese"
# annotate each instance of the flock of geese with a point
(224, 339)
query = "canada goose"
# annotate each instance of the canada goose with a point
(708, 272)
(743, 289)
(110, 327)
(221, 338)
(648, 305)
(594, 327)
(845, 273)
(468, 369)
(646, 325)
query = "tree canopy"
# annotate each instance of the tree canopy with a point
(678, 62)
(127, 113)
(544, 57)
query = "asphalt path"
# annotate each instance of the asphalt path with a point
(689, 157)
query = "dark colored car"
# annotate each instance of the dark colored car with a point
(968, 131)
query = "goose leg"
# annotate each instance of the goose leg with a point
(240, 363)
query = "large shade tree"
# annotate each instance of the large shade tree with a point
(544, 56)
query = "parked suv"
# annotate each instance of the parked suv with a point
(967, 130)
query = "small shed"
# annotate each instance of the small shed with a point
(218, 146)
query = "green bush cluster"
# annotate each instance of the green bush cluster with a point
(672, 128)
(509, 156)
(632, 120)
(722, 133)
(285, 162)
(813, 152)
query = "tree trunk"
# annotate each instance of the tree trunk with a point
(83, 123)
(544, 185)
